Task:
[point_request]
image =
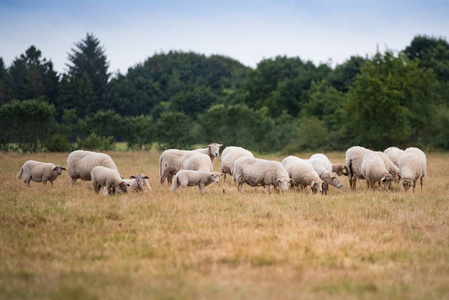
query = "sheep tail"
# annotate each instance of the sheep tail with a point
(19, 175)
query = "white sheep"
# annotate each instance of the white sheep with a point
(374, 171)
(393, 154)
(302, 173)
(389, 165)
(410, 169)
(353, 162)
(170, 160)
(196, 161)
(80, 164)
(39, 172)
(323, 167)
(256, 172)
(422, 157)
(229, 156)
(111, 179)
(201, 179)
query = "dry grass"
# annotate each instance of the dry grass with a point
(68, 243)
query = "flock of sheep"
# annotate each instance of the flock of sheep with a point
(195, 168)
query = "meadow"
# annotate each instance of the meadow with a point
(65, 242)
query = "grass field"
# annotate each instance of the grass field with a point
(65, 242)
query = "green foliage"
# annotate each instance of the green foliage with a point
(58, 143)
(27, 123)
(139, 132)
(173, 130)
(311, 135)
(95, 142)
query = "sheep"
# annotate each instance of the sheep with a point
(393, 154)
(196, 161)
(323, 167)
(80, 164)
(422, 157)
(186, 178)
(170, 160)
(411, 169)
(137, 183)
(111, 179)
(373, 170)
(390, 166)
(353, 162)
(229, 156)
(255, 172)
(39, 172)
(302, 173)
(340, 169)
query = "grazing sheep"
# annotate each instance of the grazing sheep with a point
(393, 154)
(186, 178)
(323, 167)
(170, 160)
(137, 183)
(353, 162)
(80, 164)
(229, 156)
(340, 169)
(196, 161)
(390, 166)
(111, 179)
(255, 172)
(302, 173)
(374, 171)
(422, 157)
(39, 172)
(411, 169)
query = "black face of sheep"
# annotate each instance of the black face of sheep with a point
(123, 186)
(407, 184)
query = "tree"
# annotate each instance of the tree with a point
(344, 74)
(390, 102)
(5, 90)
(174, 130)
(88, 58)
(139, 132)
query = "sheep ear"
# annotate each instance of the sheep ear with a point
(313, 182)
(291, 180)
(344, 172)
(278, 180)
(332, 176)
(146, 177)
(62, 168)
(383, 179)
(221, 174)
(132, 177)
(219, 145)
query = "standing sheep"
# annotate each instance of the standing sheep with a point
(137, 183)
(302, 173)
(411, 169)
(196, 162)
(80, 164)
(39, 172)
(202, 179)
(393, 154)
(374, 171)
(111, 179)
(255, 172)
(323, 167)
(229, 156)
(353, 162)
(170, 160)
(422, 157)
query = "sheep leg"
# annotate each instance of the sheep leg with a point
(74, 181)
(44, 181)
(27, 180)
(201, 188)
(420, 181)
(268, 188)
(96, 186)
(240, 186)
(354, 184)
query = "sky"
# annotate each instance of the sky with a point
(323, 31)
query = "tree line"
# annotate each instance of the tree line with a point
(179, 99)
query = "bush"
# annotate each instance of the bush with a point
(94, 142)
(58, 143)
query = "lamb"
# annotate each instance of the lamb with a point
(340, 169)
(111, 179)
(255, 172)
(373, 170)
(39, 172)
(196, 161)
(393, 154)
(229, 156)
(302, 173)
(137, 183)
(80, 164)
(323, 167)
(170, 160)
(411, 169)
(186, 178)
